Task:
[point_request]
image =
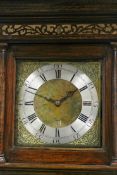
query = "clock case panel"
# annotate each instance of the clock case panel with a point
(52, 156)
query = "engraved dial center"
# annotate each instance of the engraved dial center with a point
(57, 103)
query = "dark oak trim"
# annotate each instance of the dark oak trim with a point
(61, 10)
(10, 102)
(61, 51)
(2, 98)
(106, 103)
(54, 172)
(114, 102)
(12, 165)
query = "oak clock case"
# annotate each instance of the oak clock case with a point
(58, 104)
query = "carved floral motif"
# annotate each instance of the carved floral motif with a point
(56, 29)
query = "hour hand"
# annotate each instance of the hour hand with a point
(47, 98)
(68, 94)
(55, 102)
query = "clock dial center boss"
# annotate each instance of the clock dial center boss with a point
(59, 103)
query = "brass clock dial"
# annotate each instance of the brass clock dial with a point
(47, 97)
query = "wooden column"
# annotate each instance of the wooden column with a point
(2, 99)
(114, 102)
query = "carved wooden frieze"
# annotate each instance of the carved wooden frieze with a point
(57, 30)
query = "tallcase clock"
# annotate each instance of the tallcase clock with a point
(58, 88)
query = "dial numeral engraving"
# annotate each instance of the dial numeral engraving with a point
(29, 103)
(32, 117)
(25, 121)
(20, 102)
(90, 122)
(57, 133)
(76, 136)
(43, 77)
(30, 92)
(73, 129)
(57, 136)
(95, 104)
(83, 118)
(58, 70)
(83, 88)
(55, 141)
(58, 73)
(33, 90)
(87, 103)
(91, 85)
(57, 66)
(73, 77)
(42, 128)
(27, 83)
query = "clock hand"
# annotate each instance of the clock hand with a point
(59, 102)
(46, 98)
(69, 94)
(56, 102)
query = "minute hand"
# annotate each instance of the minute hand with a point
(69, 94)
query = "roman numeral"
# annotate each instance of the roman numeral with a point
(91, 85)
(76, 136)
(32, 118)
(56, 141)
(83, 88)
(73, 129)
(30, 92)
(42, 128)
(27, 83)
(20, 102)
(58, 70)
(87, 103)
(90, 122)
(95, 104)
(58, 73)
(29, 103)
(83, 118)
(57, 66)
(25, 121)
(43, 77)
(57, 136)
(57, 133)
(32, 88)
(73, 77)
